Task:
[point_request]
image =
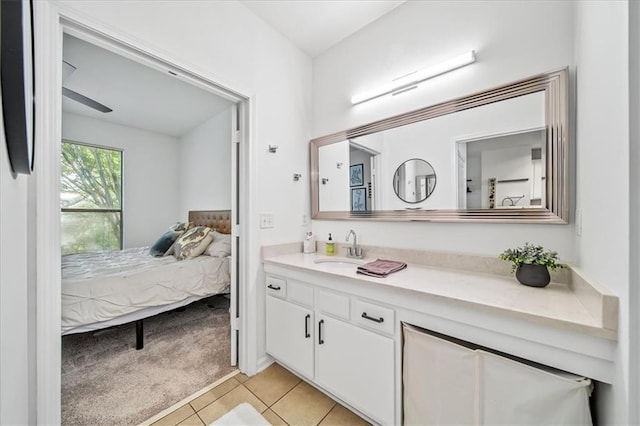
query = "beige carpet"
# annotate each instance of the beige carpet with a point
(106, 381)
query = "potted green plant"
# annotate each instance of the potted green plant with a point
(531, 263)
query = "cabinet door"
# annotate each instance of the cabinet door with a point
(357, 365)
(290, 335)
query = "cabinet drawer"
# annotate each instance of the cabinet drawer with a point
(300, 293)
(333, 303)
(374, 316)
(276, 287)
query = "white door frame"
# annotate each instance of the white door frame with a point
(235, 231)
(50, 21)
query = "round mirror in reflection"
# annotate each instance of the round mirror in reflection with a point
(414, 180)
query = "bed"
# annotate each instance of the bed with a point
(101, 290)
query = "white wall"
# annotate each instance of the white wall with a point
(205, 166)
(333, 166)
(510, 45)
(602, 52)
(14, 318)
(634, 208)
(151, 164)
(505, 35)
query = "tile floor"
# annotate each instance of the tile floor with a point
(281, 397)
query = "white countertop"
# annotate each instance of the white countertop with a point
(555, 305)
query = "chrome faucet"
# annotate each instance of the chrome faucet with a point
(354, 250)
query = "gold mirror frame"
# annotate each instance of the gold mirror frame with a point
(554, 84)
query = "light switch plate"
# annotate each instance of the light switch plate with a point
(266, 220)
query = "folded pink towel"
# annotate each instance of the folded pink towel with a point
(381, 267)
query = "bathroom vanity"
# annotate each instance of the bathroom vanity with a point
(342, 331)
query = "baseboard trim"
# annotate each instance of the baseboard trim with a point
(264, 362)
(188, 399)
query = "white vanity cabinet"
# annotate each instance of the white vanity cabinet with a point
(360, 360)
(321, 335)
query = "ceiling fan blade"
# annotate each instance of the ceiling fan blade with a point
(67, 70)
(84, 100)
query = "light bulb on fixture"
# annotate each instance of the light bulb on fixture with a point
(416, 77)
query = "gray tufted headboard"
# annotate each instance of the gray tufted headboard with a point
(220, 220)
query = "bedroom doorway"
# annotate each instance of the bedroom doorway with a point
(236, 113)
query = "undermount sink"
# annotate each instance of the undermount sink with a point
(338, 262)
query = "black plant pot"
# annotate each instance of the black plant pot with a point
(533, 275)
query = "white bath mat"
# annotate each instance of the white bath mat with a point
(243, 414)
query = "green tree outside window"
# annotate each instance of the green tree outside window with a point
(90, 198)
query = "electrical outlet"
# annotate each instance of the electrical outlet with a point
(579, 222)
(305, 219)
(266, 220)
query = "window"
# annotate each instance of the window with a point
(90, 198)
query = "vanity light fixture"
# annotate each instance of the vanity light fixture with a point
(410, 80)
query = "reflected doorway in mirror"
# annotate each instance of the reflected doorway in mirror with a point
(514, 160)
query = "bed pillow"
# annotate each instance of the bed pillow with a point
(164, 243)
(192, 243)
(220, 246)
(181, 226)
(178, 226)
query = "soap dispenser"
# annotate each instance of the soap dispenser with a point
(330, 246)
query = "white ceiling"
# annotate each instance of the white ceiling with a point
(140, 97)
(316, 25)
(148, 99)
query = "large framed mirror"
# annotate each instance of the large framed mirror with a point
(501, 155)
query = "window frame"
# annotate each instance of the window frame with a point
(86, 210)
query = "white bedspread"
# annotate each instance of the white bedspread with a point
(98, 287)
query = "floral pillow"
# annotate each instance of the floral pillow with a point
(192, 243)
(181, 228)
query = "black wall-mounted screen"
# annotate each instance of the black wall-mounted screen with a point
(16, 76)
